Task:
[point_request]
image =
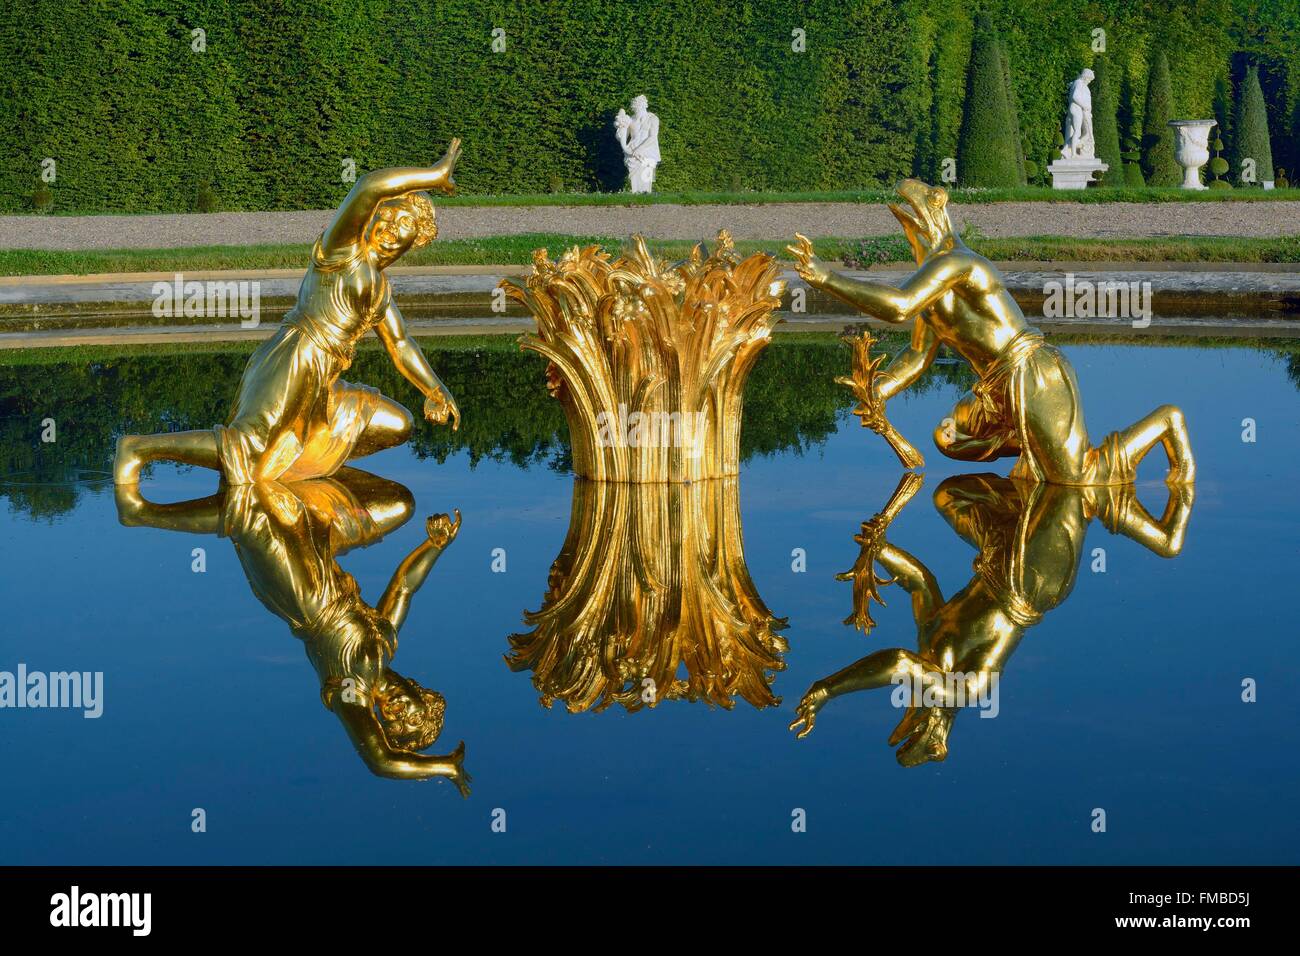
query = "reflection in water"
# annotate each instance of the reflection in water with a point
(1029, 537)
(288, 537)
(651, 581)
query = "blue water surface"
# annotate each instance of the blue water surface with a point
(1127, 697)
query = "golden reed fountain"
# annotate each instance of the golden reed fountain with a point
(649, 361)
(651, 578)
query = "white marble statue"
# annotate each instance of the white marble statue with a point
(638, 134)
(1078, 162)
(1079, 141)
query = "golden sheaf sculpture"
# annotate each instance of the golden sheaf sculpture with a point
(294, 417)
(288, 537)
(1029, 539)
(651, 581)
(1026, 404)
(649, 360)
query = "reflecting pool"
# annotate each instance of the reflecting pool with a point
(623, 665)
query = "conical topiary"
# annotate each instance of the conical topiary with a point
(1105, 124)
(1130, 134)
(1252, 141)
(1159, 168)
(1294, 156)
(987, 152)
(1013, 110)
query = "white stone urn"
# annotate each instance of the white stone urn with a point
(1192, 149)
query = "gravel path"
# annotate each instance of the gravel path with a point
(778, 221)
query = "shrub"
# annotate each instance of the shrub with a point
(1013, 111)
(1218, 166)
(1105, 123)
(1252, 140)
(874, 249)
(1130, 133)
(1159, 168)
(988, 153)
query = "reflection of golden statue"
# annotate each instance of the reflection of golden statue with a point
(651, 578)
(1026, 403)
(1029, 536)
(288, 538)
(294, 418)
(649, 360)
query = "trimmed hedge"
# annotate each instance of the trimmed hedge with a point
(1251, 122)
(284, 94)
(1159, 167)
(988, 148)
(1105, 122)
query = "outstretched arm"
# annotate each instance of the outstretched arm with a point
(887, 303)
(874, 670)
(439, 406)
(385, 760)
(415, 567)
(378, 185)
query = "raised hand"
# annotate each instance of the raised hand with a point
(442, 529)
(809, 267)
(812, 702)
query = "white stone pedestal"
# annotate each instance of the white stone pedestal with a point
(1075, 173)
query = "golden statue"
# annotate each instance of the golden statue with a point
(1029, 536)
(1026, 402)
(651, 578)
(294, 418)
(649, 360)
(288, 537)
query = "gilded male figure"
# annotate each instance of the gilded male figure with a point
(294, 417)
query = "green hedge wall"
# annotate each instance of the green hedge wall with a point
(286, 91)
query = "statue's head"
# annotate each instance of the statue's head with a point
(640, 104)
(1087, 76)
(925, 219)
(400, 224)
(410, 714)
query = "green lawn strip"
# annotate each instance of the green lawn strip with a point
(490, 250)
(1015, 194)
(518, 250)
